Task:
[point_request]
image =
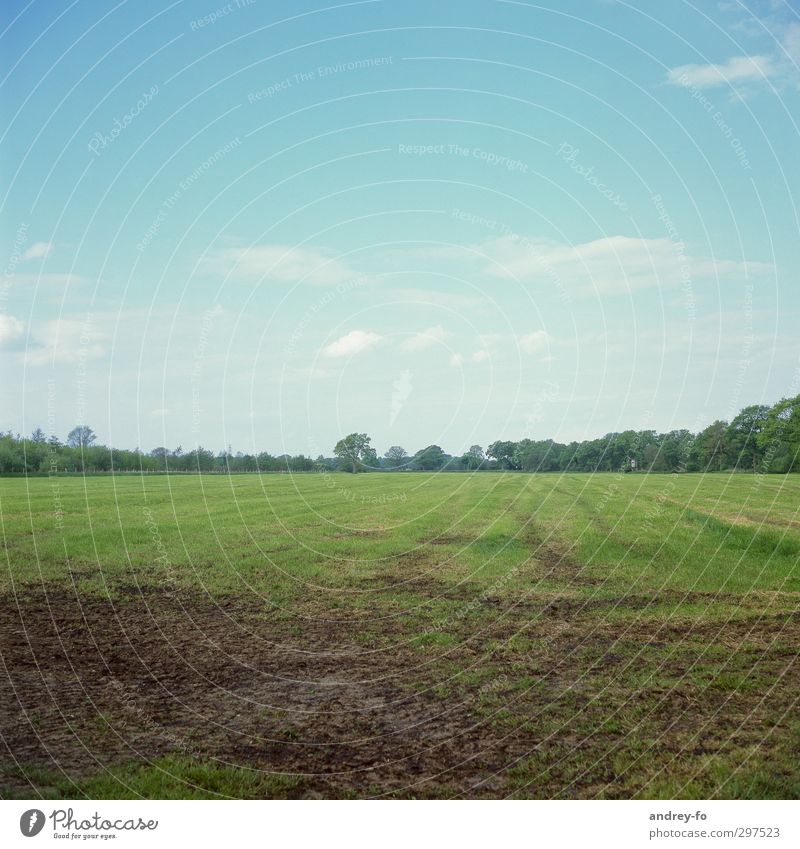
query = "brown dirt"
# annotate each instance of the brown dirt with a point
(87, 683)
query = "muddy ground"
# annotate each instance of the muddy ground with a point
(547, 697)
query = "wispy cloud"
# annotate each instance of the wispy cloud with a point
(426, 339)
(66, 341)
(607, 266)
(304, 374)
(534, 343)
(448, 300)
(49, 279)
(778, 66)
(280, 263)
(736, 70)
(38, 250)
(11, 330)
(351, 343)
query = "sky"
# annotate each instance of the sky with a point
(267, 225)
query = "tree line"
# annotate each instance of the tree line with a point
(761, 438)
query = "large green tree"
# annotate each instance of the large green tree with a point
(744, 450)
(354, 452)
(474, 458)
(430, 458)
(779, 439)
(503, 452)
(710, 448)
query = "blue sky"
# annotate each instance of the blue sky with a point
(268, 225)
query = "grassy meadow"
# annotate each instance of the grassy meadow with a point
(409, 635)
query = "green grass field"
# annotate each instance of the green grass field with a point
(410, 635)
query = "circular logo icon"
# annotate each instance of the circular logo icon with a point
(31, 822)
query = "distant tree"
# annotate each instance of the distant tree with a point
(542, 455)
(711, 447)
(430, 458)
(370, 459)
(354, 451)
(396, 456)
(503, 452)
(779, 439)
(676, 449)
(81, 436)
(200, 459)
(652, 459)
(742, 436)
(473, 459)
(38, 436)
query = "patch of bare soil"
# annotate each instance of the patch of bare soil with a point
(87, 683)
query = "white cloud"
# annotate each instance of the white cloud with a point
(533, 343)
(480, 356)
(282, 263)
(791, 41)
(450, 300)
(38, 250)
(456, 360)
(611, 265)
(65, 340)
(305, 373)
(351, 343)
(489, 340)
(426, 339)
(54, 279)
(11, 330)
(159, 412)
(738, 69)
